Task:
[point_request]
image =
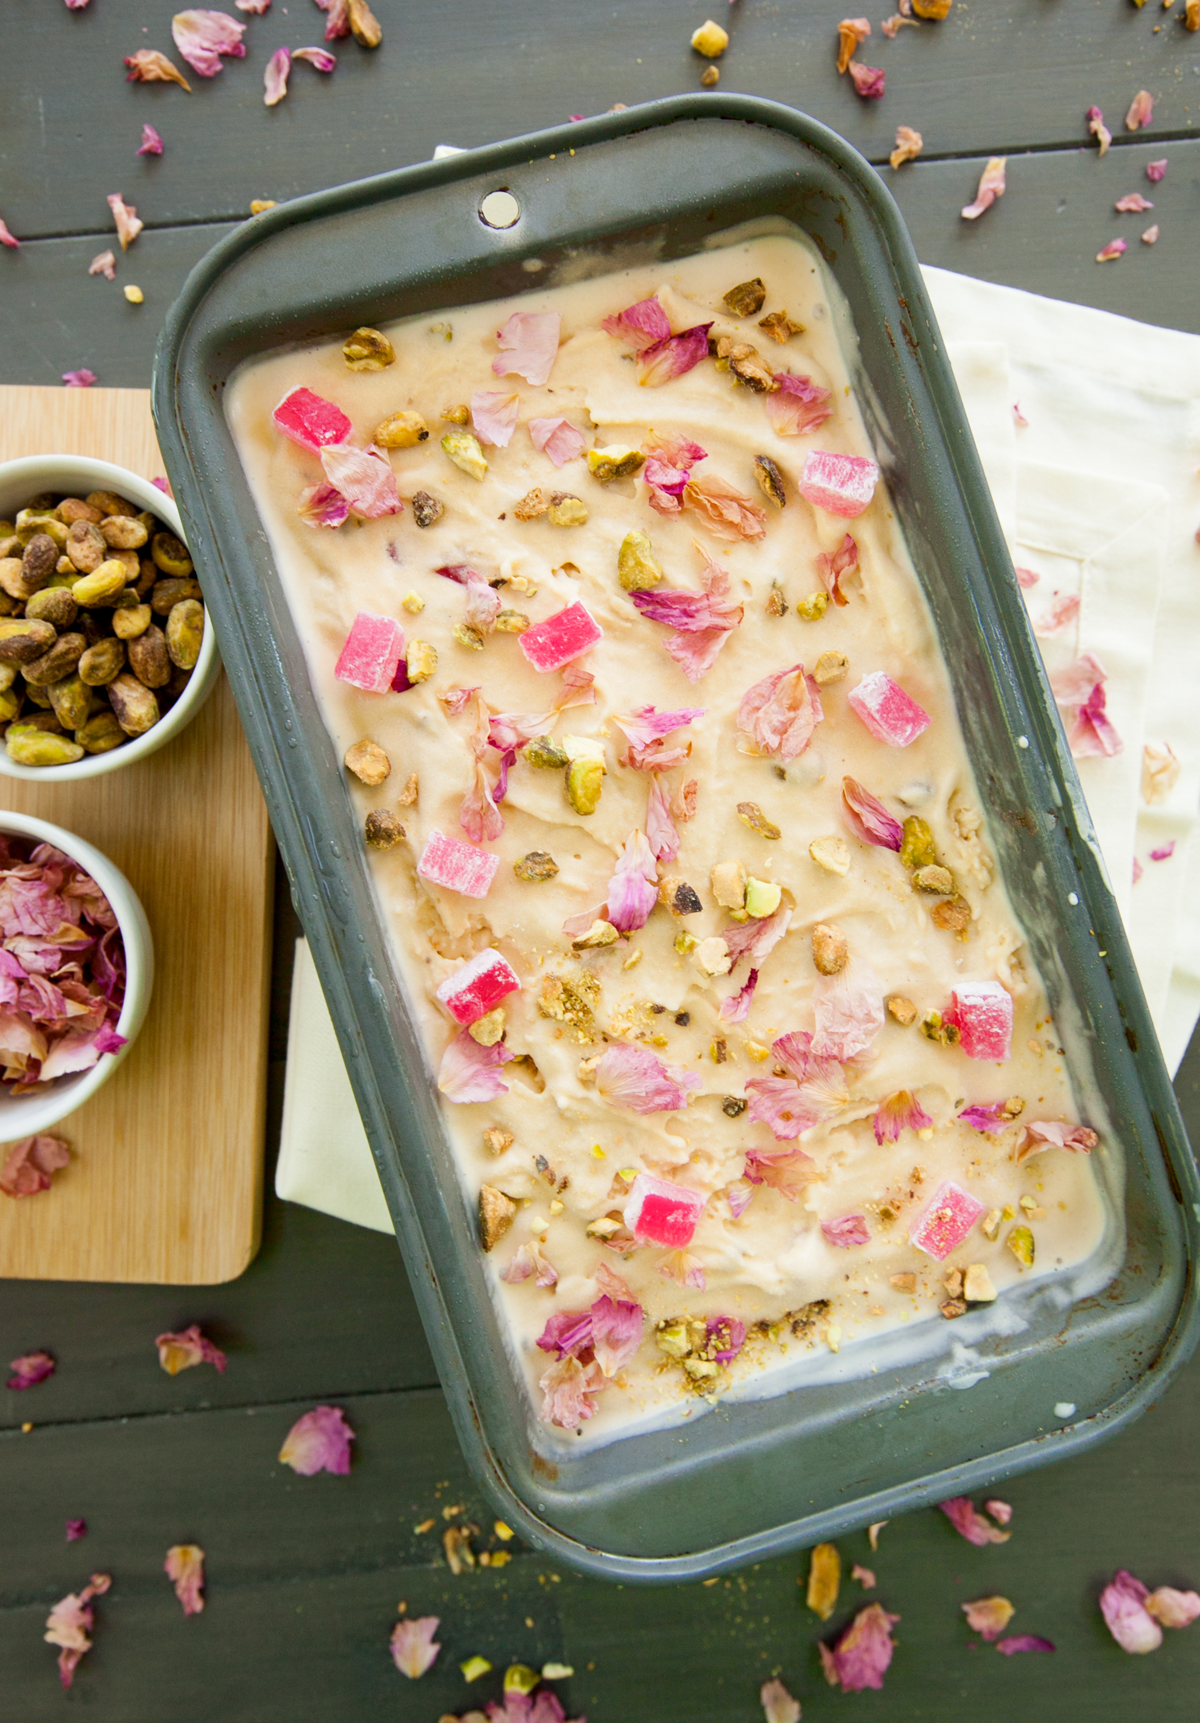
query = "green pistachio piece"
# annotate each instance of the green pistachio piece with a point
(1020, 1242)
(616, 462)
(637, 565)
(544, 751)
(918, 848)
(464, 450)
(762, 897)
(585, 779)
(29, 746)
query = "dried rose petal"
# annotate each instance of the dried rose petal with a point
(844, 560)
(1094, 732)
(414, 1649)
(859, 1658)
(735, 1007)
(184, 1567)
(779, 714)
(183, 1351)
(30, 1369)
(494, 416)
(891, 26)
(867, 817)
(126, 218)
(633, 1077)
(701, 620)
(202, 36)
(364, 477)
(1053, 1134)
(30, 1165)
(1018, 1642)
(778, 1704)
(1141, 111)
(151, 144)
(257, 7)
(868, 80)
(673, 356)
(991, 186)
(321, 58)
(992, 1118)
(1098, 129)
(1001, 1512)
(850, 1229)
(76, 1529)
(647, 729)
(1164, 853)
(1114, 249)
(633, 887)
(798, 405)
(851, 31)
(275, 77)
(528, 346)
(569, 1393)
(756, 939)
(148, 66)
(849, 1011)
(727, 512)
(639, 326)
(1133, 203)
(989, 1616)
(1150, 237)
(616, 1332)
(900, 1112)
(1155, 171)
(82, 379)
(529, 1262)
(338, 18)
(322, 505)
(1062, 610)
(469, 1072)
(1074, 682)
(318, 1442)
(966, 1519)
(70, 1622)
(9, 239)
(909, 144)
(814, 1090)
(1173, 1608)
(558, 439)
(105, 264)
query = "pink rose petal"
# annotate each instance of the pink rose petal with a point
(831, 568)
(779, 714)
(558, 439)
(30, 1165)
(859, 1657)
(1043, 1134)
(867, 817)
(69, 1625)
(76, 1529)
(1019, 1642)
(494, 416)
(988, 1616)
(364, 477)
(186, 1349)
(633, 887)
(1074, 683)
(1098, 129)
(318, 1442)
(1156, 171)
(322, 505)
(1132, 204)
(778, 1704)
(337, 14)
(1141, 111)
(1062, 611)
(1123, 1606)
(969, 1522)
(701, 620)
(30, 1369)
(105, 264)
(849, 1011)
(1000, 1511)
(868, 80)
(900, 1112)
(726, 512)
(529, 1262)
(1114, 249)
(148, 66)
(203, 35)
(991, 186)
(320, 58)
(469, 1072)
(528, 346)
(633, 1077)
(639, 326)
(756, 939)
(275, 77)
(1173, 1608)
(814, 1090)
(735, 1007)
(673, 356)
(569, 1393)
(993, 1118)
(1150, 237)
(1094, 732)
(126, 218)
(9, 239)
(798, 405)
(850, 1229)
(413, 1647)
(151, 144)
(616, 1332)
(184, 1567)
(1164, 853)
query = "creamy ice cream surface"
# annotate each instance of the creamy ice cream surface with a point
(756, 960)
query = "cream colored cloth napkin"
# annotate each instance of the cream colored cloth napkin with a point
(1099, 496)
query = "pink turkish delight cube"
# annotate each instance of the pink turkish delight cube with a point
(662, 1212)
(550, 644)
(945, 1220)
(983, 1014)
(891, 715)
(477, 987)
(458, 866)
(839, 484)
(310, 420)
(372, 651)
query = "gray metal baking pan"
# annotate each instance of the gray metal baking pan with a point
(755, 1477)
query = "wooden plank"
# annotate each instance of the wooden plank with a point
(305, 1576)
(994, 76)
(166, 1183)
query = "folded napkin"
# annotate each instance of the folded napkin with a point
(1088, 428)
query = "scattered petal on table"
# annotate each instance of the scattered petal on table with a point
(275, 78)
(868, 80)
(126, 218)
(30, 1369)
(9, 239)
(859, 1658)
(1150, 237)
(202, 36)
(76, 1529)
(82, 379)
(104, 263)
(1123, 1606)
(30, 1165)
(1018, 1642)
(778, 1704)
(988, 1616)
(991, 186)
(414, 1649)
(70, 1622)
(151, 144)
(909, 145)
(966, 1519)
(184, 1567)
(318, 1442)
(1098, 129)
(148, 66)
(183, 1351)
(1141, 111)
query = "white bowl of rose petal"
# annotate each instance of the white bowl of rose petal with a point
(76, 972)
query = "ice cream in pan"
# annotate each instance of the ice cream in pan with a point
(671, 823)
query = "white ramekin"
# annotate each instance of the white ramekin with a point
(26, 1115)
(76, 475)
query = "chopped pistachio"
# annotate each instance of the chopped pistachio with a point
(901, 1010)
(977, 1285)
(557, 1671)
(413, 603)
(718, 1051)
(599, 933)
(917, 849)
(733, 1106)
(953, 915)
(779, 326)
(459, 415)
(615, 462)
(637, 565)
(368, 762)
(496, 1140)
(474, 1667)
(368, 350)
(684, 942)
(830, 949)
(770, 480)
(464, 450)
(1020, 1242)
(749, 367)
(488, 1030)
(512, 622)
(537, 865)
(757, 1051)
(585, 779)
(752, 815)
(709, 76)
(496, 1214)
(954, 1282)
(936, 879)
(672, 1337)
(990, 1224)
(566, 510)
(420, 661)
(632, 961)
(934, 1029)
(776, 603)
(729, 884)
(762, 897)
(606, 1227)
(903, 1282)
(468, 636)
(830, 667)
(519, 1678)
(408, 795)
(545, 752)
(532, 504)
(682, 898)
(1028, 1203)
(952, 1308)
(702, 1370)
(712, 956)
(426, 509)
(401, 431)
(813, 608)
(572, 999)
(832, 853)
(747, 298)
(383, 830)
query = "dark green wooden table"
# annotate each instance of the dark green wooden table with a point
(305, 1575)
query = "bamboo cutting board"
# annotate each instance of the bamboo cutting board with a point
(165, 1183)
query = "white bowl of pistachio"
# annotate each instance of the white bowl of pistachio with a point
(106, 650)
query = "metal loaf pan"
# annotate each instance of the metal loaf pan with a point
(754, 1477)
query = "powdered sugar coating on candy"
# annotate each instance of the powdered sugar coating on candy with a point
(663, 1212)
(372, 651)
(946, 1220)
(983, 1014)
(310, 420)
(458, 866)
(478, 987)
(566, 635)
(891, 715)
(839, 484)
